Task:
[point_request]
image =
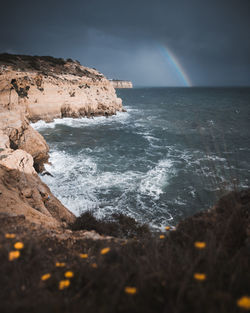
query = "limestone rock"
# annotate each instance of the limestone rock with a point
(23, 192)
(34, 88)
(16, 133)
(121, 83)
(4, 140)
(47, 88)
(18, 159)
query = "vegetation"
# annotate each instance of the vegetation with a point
(46, 65)
(203, 266)
(119, 225)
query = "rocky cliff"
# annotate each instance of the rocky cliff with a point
(33, 88)
(121, 83)
(47, 88)
(23, 151)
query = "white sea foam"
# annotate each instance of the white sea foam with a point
(80, 185)
(78, 181)
(169, 170)
(150, 138)
(156, 179)
(120, 117)
(71, 180)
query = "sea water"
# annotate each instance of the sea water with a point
(173, 153)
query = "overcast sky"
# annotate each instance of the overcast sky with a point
(127, 39)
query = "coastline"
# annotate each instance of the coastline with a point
(42, 88)
(142, 271)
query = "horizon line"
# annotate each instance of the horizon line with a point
(194, 86)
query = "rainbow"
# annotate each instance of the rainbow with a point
(173, 61)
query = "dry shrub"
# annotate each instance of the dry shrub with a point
(161, 270)
(119, 225)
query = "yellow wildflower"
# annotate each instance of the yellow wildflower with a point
(10, 236)
(105, 250)
(45, 277)
(130, 290)
(200, 244)
(64, 284)
(94, 265)
(162, 236)
(69, 274)
(18, 245)
(83, 255)
(167, 227)
(58, 264)
(244, 303)
(14, 255)
(199, 276)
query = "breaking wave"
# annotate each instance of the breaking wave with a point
(155, 162)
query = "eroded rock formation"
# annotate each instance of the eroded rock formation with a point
(47, 88)
(23, 193)
(34, 88)
(16, 133)
(23, 151)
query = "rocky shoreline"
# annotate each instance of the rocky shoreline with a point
(41, 88)
(52, 261)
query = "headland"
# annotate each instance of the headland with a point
(121, 83)
(36, 88)
(52, 261)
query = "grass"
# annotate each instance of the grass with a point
(139, 273)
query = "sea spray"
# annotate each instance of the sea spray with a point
(167, 157)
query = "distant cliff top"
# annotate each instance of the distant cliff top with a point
(47, 65)
(117, 83)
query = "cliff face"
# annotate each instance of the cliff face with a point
(16, 133)
(23, 151)
(33, 88)
(23, 193)
(47, 88)
(121, 83)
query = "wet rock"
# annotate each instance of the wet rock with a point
(46, 173)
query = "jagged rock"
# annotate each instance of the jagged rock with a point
(17, 159)
(32, 142)
(46, 173)
(23, 192)
(16, 133)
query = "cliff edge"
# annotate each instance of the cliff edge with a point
(121, 83)
(34, 88)
(47, 88)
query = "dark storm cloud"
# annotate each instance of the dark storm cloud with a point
(121, 38)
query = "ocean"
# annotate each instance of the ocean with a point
(173, 153)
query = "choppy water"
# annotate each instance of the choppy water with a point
(169, 156)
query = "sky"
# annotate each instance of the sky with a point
(150, 42)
